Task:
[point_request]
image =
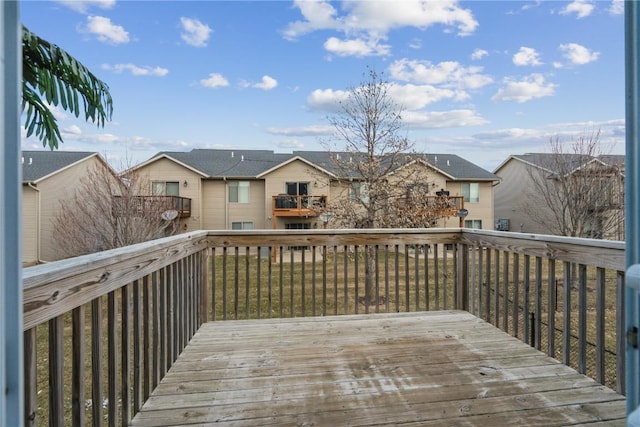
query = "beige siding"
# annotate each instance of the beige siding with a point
(482, 210)
(167, 170)
(296, 171)
(54, 191)
(509, 197)
(29, 225)
(214, 212)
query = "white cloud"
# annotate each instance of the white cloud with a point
(136, 70)
(326, 99)
(366, 22)
(414, 97)
(526, 56)
(106, 31)
(582, 8)
(530, 87)
(267, 83)
(578, 54)
(450, 74)
(194, 32)
(289, 144)
(73, 130)
(214, 80)
(82, 6)
(442, 119)
(616, 7)
(356, 47)
(479, 54)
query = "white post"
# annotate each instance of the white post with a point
(11, 359)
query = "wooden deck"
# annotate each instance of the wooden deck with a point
(432, 368)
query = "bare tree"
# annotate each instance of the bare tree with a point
(575, 191)
(376, 168)
(108, 211)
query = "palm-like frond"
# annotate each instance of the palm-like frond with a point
(50, 76)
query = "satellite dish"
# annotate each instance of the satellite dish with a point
(169, 215)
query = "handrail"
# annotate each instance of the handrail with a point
(147, 300)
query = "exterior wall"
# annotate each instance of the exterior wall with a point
(29, 225)
(219, 214)
(167, 170)
(296, 171)
(509, 196)
(54, 191)
(482, 210)
(214, 212)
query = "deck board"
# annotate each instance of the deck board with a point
(433, 368)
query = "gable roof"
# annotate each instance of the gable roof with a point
(217, 163)
(39, 165)
(570, 161)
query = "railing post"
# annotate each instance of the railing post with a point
(206, 283)
(462, 285)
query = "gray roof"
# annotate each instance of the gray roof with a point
(38, 164)
(251, 163)
(569, 162)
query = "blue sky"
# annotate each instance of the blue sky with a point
(480, 79)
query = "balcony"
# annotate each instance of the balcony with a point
(462, 327)
(170, 206)
(285, 205)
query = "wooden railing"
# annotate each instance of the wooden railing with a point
(561, 295)
(302, 205)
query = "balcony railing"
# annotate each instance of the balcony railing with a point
(102, 330)
(288, 205)
(153, 205)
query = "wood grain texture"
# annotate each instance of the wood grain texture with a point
(435, 368)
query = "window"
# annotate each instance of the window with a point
(242, 225)
(471, 192)
(297, 188)
(473, 223)
(165, 188)
(239, 191)
(359, 192)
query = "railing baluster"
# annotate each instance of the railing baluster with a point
(270, 281)
(247, 286)
(78, 366)
(56, 372)
(425, 251)
(445, 278)
(313, 281)
(566, 313)
(96, 362)
(30, 377)
(291, 285)
(505, 292)
(621, 338)
(516, 293)
(225, 256)
(236, 282)
(386, 278)
(335, 280)
(125, 354)
(551, 308)
(259, 283)
(407, 280)
(436, 275)
(416, 275)
(112, 358)
(526, 301)
(356, 275)
(600, 311)
(538, 302)
(281, 281)
(396, 268)
(156, 307)
(303, 293)
(146, 318)
(487, 279)
(345, 283)
(163, 324)
(496, 288)
(582, 318)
